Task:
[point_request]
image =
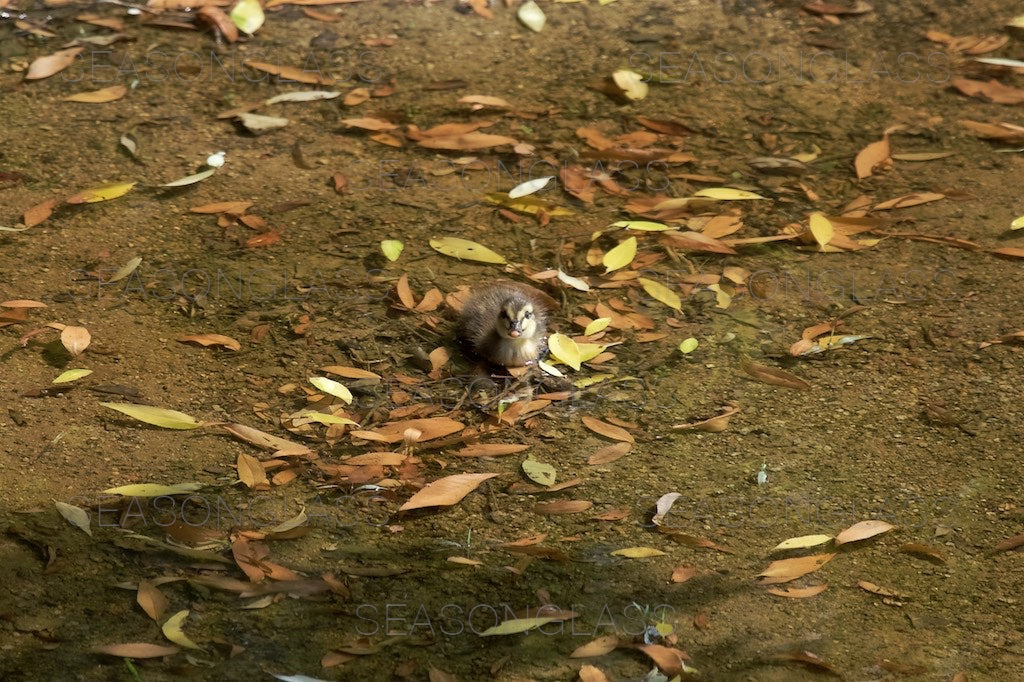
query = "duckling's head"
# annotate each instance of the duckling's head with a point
(516, 319)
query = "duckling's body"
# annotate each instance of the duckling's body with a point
(506, 323)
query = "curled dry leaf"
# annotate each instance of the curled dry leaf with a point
(152, 600)
(446, 491)
(1010, 544)
(873, 157)
(597, 647)
(863, 530)
(923, 552)
(668, 659)
(563, 507)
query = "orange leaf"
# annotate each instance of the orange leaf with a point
(39, 212)
(608, 430)
(784, 570)
(873, 156)
(152, 600)
(290, 73)
(563, 507)
(251, 472)
(75, 339)
(446, 491)
(863, 530)
(111, 94)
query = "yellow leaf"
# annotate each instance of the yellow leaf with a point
(802, 542)
(722, 298)
(688, 346)
(248, 16)
(661, 293)
(564, 349)
(821, 229)
(1017, 224)
(642, 225)
(392, 249)
(322, 418)
(517, 625)
(589, 351)
(463, 249)
(527, 204)
(157, 416)
(539, 472)
(727, 194)
(101, 193)
(172, 631)
(154, 489)
(600, 324)
(72, 375)
(332, 387)
(638, 552)
(621, 256)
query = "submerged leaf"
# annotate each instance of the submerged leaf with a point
(392, 249)
(76, 516)
(446, 491)
(332, 387)
(620, 256)
(463, 249)
(101, 193)
(157, 416)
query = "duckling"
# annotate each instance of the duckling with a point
(506, 323)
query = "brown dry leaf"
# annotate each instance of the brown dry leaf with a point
(594, 137)
(863, 530)
(575, 182)
(404, 292)
(356, 97)
(135, 650)
(784, 570)
(369, 123)
(466, 141)
(589, 673)
(774, 376)
(482, 101)
(445, 492)
(665, 127)
(22, 303)
(490, 450)
(797, 592)
(608, 430)
(111, 94)
(438, 359)
(75, 339)
(990, 91)
(387, 459)
(431, 300)
(438, 675)
(1010, 544)
(596, 647)
(1008, 251)
(233, 207)
(668, 659)
(612, 515)
(290, 73)
(808, 658)
(563, 507)
(609, 454)
(349, 372)
(912, 199)
(680, 574)
(266, 441)
(1003, 132)
(251, 472)
(429, 428)
(872, 157)
(39, 212)
(880, 591)
(212, 340)
(219, 19)
(923, 551)
(44, 67)
(152, 600)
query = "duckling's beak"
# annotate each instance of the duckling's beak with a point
(515, 332)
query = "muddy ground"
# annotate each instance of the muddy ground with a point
(917, 425)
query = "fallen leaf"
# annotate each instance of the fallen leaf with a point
(111, 94)
(172, 631)
(597, 647)
(661, 293)
(797, 592)
(152, 600)
(620, 256)
(135, 650)
(44, 67)
(802, 542)
(990, 91)
(212, 340)
(784, 570)
(446, 491)
(638, 552)
(76, 516)
(251, 473)
(157, 416)
(39, 213)
(609, 454)
(71, 375)
(863, 530)
(191, 179)
(332, 387)
(463, 249)
(101, 193)
(774, 376)
(517, 625)
(668, 659)
(75, 339)
(607, 430)
(923, 552)
(466, 141)
(563, 507)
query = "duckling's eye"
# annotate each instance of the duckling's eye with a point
(527, 315)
